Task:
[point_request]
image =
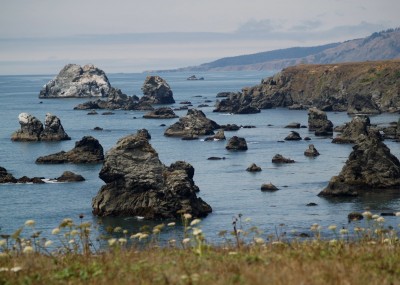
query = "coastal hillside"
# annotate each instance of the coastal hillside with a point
(364, 87)
(378, 46)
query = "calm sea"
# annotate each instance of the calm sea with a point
(224, 184)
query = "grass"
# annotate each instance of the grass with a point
(362, 256)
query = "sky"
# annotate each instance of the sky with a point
(41, 36)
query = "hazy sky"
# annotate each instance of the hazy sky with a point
(41, 36)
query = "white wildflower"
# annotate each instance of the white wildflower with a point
(28, 249)
(55, 231)
(30, 223)
(112, 241)
(187, 216)
(48, 243)
(195, 222)
(171, 224)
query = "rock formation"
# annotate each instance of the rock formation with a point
(236, 143)
(138, 184)
(32, 129)
(161, 113)
(311, 151)
(293, 125)
(6, 177)
(278, 158)
(76, 81)
(370, 167)
(156, 91)
(318, 122)
(195, 123)
(358, 126)
(87, 150)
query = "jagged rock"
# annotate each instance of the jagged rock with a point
(87, 150)
(370, 167)
(161, 113)
(351, 131)
(69, 176)
(116, 100)
(53, 130)
(32, 129)
(236, 143)
(293, 136)
(220, 136)
(34, 180)
(268, 187)
(253, 168)
(224, 94)
(311, 151)
(138, 184)
(236, 103)
(362, 104)
(6, 177)
(278, 158)
(195, 123)
(156, 91)
(318, 122)
(293, 125)
(76, 81)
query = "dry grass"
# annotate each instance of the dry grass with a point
(313, 262)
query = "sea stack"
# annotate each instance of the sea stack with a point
(138, 184)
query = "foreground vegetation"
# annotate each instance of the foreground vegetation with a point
(367, 255)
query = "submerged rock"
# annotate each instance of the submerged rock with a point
(156, 91)
(370, 167)
(359, 125)
(138, 184)
(76, 81)
(87, 150)
(195, 123)
(236, 143)
(32, 129)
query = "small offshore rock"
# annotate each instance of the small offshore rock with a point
(268, 187)
(355, 216)
(312, 204)
(319, 123)
(311, 151)
(87, 150)
(254, 168)
(156, 91)
(97, 129)
(278, 158)
(236, 143)
(219, 136)
(350, 132)
(215, 158)
(69, 176)
(293, 125)
(161, 113)
(230, 127)
(293, 136)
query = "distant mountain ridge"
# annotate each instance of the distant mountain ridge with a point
(378, 46)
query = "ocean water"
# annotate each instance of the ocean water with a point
(224, 184)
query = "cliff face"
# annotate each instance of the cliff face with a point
(365, 87)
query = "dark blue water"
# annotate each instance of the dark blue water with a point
(224, 184)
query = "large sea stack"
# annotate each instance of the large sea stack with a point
(370, 167)
(138, 184)
(76, 81)
(156, 91)
(195, 123)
